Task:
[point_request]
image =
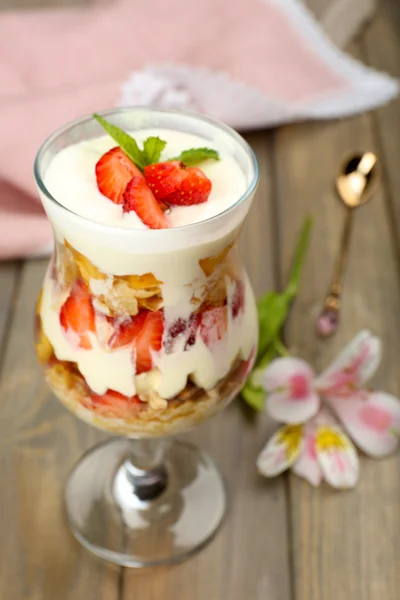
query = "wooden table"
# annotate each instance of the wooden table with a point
(282, 539)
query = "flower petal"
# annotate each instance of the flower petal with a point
(283, 408)
(307, 465)
(281, 450)
(372, 419)
(337, 457)
(289, 385)
(353, 367)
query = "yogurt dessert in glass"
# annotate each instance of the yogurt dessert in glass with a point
(146, 323)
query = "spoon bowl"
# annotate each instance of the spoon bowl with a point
(358, 178)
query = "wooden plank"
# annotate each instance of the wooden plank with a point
(381, 48)
(319, 7)
(8, 280)
(258, 238)
(249, 556)
(344, 544)
(39, 442)
(342, 20)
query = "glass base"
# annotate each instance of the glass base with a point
(137, 518)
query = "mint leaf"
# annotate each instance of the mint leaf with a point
(194, 156)
(298, 259)
(152, 148)
(124, 141)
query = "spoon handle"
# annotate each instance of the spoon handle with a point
(329, 318)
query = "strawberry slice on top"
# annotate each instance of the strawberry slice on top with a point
(165, 178)
(174, 184)
(77, 314)
(194, 189)
(148, 341)
(114, 170)
(139, 197)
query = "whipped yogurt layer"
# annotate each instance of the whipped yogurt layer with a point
(71, 180)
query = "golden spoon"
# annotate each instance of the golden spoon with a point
(358, 180)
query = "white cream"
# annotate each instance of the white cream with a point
(71, 179)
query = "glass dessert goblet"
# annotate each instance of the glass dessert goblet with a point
(146, 333)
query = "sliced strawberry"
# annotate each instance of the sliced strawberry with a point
(187, 329)
(127, 330)
(115, 404)
(245, 366)
(194, 189)
(165, 178)
(77, 314)
(177, 329)
(213, 324)
(238, 299)
(139, 197)
(149, 340)
(114, 170)
(193, 325)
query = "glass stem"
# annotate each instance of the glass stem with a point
(145, 468)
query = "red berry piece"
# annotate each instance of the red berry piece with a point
(165, 178)
(77, 314)
(126, 331)
(114, 170)
(238, 300)
(213, 324)
(177, 328)
(194, 189)
(148, 341)
(114, 404)
(139, 197)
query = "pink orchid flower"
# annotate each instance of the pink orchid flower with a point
(315, 450)
(312, 442)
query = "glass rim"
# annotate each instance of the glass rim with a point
(129, 109)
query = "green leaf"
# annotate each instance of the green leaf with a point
(272, 312)
(124, 141)
(263, 362)
(194, 156)
(255, 397)
(273, 307)
(280, 347)
(152, 148)
(267, 357)
(298, 259)
(253, 393)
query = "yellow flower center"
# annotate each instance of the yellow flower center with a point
(328, 438)
(290, 436)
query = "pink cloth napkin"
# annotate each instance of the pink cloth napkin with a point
(250, 63)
